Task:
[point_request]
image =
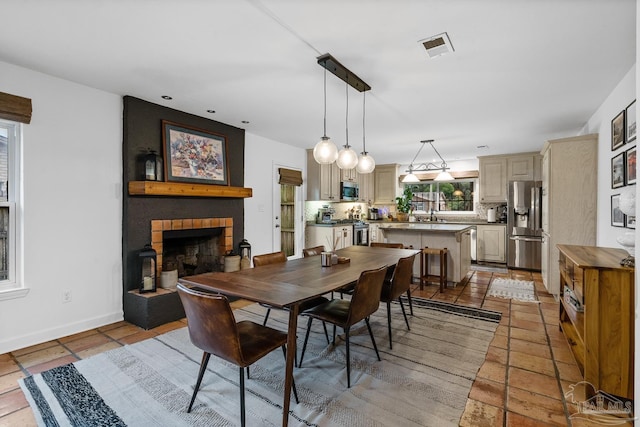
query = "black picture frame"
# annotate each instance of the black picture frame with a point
(630, 222)
(617, 217)
(194, 155)
(630, 170)
(618, 131)
(618, 170)
(630, 122)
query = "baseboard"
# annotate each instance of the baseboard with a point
(15, 343)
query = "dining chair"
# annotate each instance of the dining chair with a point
(345, 313)
(386, 245)
(213, 329)
(394, 287)
(316, 250)
(274, 258)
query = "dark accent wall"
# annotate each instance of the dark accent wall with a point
(142, 129)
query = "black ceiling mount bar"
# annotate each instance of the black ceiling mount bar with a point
(343, 73)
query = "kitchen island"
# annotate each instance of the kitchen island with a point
(455, 237)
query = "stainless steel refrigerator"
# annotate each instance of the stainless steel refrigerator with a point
(524, 225)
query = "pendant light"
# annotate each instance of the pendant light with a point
(325, 152)
(428, 167)
(366, 163)
(347, 157)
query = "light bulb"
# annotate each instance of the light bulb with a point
(325, 152)
(347, 158)
(366, 164)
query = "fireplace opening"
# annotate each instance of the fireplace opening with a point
(193, 251)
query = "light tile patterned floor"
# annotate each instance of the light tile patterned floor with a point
(528, 367)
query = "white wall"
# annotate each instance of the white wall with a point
(600, 123)
(260, 158)
(72, 210)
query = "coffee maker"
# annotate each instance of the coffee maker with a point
(325, 215)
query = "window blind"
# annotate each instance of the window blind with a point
(289, 176)
(15, 108)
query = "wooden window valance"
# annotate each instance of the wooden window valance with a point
(289, 176)
(15, 108)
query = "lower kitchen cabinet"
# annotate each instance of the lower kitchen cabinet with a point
(597, 315)
(491, 243)
(339, 236)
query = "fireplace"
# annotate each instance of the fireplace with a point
(195, 245)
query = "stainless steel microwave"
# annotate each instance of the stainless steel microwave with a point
(348, 191)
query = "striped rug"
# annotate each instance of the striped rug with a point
(423, 381)
(519, 290)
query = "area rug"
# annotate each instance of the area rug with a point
(520, 290)
(423, 381)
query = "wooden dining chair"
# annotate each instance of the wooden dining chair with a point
(316, 250)
(345, 313)
(394, 287)
(386, 245)
(213, 329)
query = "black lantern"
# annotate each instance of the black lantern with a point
(150, 165)
(245, 249)
(147, 269)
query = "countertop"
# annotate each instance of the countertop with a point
(395, 224)
(420, 226)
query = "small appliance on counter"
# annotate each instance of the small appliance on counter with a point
(325, 215)
(374, 215)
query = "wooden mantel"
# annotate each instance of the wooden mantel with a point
(181, 189)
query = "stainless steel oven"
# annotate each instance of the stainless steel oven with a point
(360, 233)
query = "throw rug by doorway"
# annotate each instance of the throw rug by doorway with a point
(520, 290)
(423, 381)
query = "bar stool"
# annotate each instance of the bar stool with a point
(425, 275)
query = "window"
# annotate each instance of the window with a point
(10, 138)
(456, 196)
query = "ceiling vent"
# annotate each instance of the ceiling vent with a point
(437, 45)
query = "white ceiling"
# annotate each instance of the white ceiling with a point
(522, 71)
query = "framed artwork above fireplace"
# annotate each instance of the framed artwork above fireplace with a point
(194, 155)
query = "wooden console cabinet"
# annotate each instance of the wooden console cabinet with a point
(601, 336)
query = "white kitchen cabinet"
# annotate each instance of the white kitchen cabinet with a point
(340, 236)
(323, 181)
(491, 243)
(569, 199)
(544, 264)
(350, 175)
(386, 184)
(493, 179)
(374, 233)
(520, 168)
(366, 184)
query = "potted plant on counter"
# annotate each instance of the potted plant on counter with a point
(403, 204)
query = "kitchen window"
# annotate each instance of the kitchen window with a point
(10, 145)
(439, 196)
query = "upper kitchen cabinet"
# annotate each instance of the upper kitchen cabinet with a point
(493, 179)
(569, 198)
(386, 184)
(524, 167)
(497, 171)
(366, 184)
(350, 175)
(323, 181)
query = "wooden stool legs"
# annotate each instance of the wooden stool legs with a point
(425, 275)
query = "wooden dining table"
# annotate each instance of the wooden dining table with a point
(288, 284)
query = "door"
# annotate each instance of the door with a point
(288, 224)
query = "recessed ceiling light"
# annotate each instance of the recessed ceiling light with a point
(211, 111)
(437, 45)
(167, 97)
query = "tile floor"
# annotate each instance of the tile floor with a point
(527, 370)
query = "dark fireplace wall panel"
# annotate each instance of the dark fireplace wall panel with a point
(142, 129)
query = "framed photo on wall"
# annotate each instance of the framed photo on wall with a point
(194, 155)
(617, 171)
(617, 131)
(630, 122)
(631, 222)
(617, 217)
(630, 169)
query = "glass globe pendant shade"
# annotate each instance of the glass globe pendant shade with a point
(347, 158)
(325, 152)
(366, 164)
